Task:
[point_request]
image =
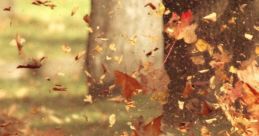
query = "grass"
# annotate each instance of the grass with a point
(31, 98)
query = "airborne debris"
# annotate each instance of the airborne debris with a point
(7, 8)
(46, 3)
(112, 120)
(33, 64)
(59, 88)
(211, 17)
(151, 5)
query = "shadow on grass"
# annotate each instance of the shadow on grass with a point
(74, 117)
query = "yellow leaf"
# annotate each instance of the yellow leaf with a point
(201, 45)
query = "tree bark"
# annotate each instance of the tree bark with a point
(124, 31)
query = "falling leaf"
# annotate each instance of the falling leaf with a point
(112, 47)
(205, 108)
(181, 104)
(187, 90)
(74, 10)
(248, 36)
(257, 50)
(151, 5)
(128, 84)
(66, 48)
(59, 88)
(201, 45)
(80, 55)
(34, 64)
(46, 3)
(7, 8)
(153, 128)
(88, 99)
(211, 17)
(112, 120)
(86, 18)
(19, 45)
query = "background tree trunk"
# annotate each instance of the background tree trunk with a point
(124, 31)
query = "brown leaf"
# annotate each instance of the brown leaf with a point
(79, 55)
(86, 18)
(46, 3)
(151, 5)
(74, 10)
(34, 64)
(7, 8)
(18, 43)
(59, 88)
(153, 128)
(129, 84)
(205, 108)
(187, 90)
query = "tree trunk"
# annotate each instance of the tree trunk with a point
(124, 31)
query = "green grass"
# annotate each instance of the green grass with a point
(35, 25)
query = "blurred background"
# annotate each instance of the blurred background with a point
(27, 95)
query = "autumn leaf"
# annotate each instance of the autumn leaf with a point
(187, 90)
(46, 3)
(153, 128)
(206, 109)
(151, 5)
(86, 18)
(59, 88)
(7, 8)
(34, 64)
(18, 43)
(181, 27)
(128, 84)
(74, 10)
(79, 55)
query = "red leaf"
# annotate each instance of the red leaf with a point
(187, 90)
(153, 128)
(87, 19)
(129, 84)
(205, 108)
(186, 17)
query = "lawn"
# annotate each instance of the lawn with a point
(27, 95)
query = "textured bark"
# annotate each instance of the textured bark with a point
(133, 28)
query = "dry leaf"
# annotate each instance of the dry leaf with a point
(211, 17)
(34, 64)
(151, 5)
(86, 18)
(187, 90)
(7, 8)
(59, 88)
(128, 84)
(112, 120)
(74, 10)
(153, 128)
(202, 45)
(80, 55)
